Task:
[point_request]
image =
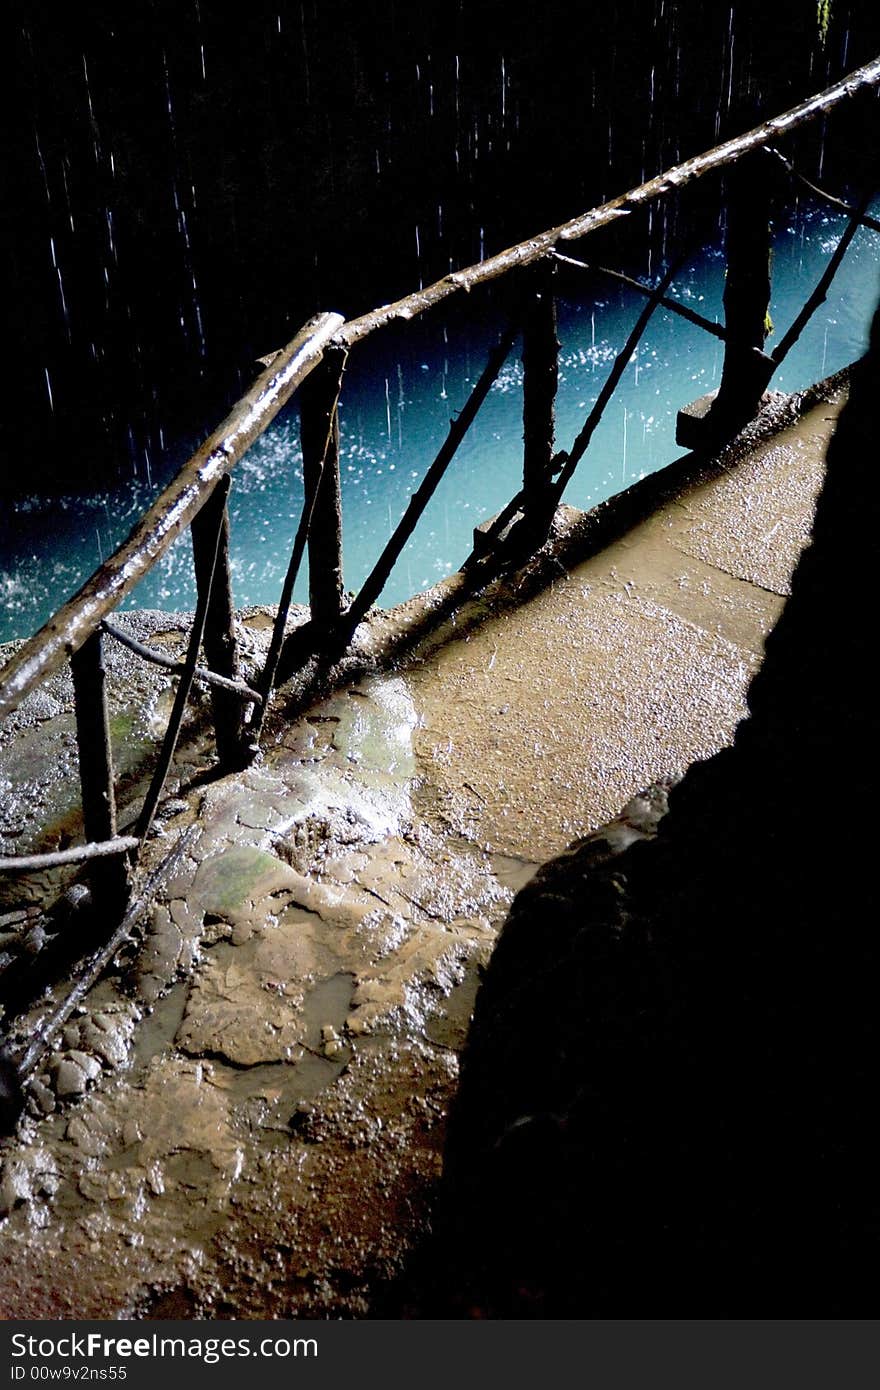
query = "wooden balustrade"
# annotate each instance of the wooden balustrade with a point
(313, 364)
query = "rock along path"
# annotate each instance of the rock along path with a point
(245, 1118)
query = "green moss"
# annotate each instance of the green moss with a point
(130, 743)
(121, 725)
(229, 880)
(823, 19)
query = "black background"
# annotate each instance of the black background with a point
(303, 168)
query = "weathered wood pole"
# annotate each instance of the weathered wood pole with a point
(746, 370)
(378, 577)
(809, 307)
(540, 359)
(108, 877)
(611, 383)
(210, 532)
(169, 515)
(319, 433)
(187, 674)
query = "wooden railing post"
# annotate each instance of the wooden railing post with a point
(747, 369)
(219, 639)
(190, 663)
(540, 359)
(108, 877)
(319, 432)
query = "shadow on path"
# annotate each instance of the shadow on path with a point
(667, 1099)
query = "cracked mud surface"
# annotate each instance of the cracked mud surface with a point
(259, 1090)
(246, 1116)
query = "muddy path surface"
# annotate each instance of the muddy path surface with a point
(245, 1117)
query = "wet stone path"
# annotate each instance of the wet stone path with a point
(245, 1117)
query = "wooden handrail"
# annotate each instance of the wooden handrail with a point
(75, 630)
(181, 501)
(534, 248)
(174, 509)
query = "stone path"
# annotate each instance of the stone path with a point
(246, 1116)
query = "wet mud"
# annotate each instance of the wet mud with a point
(246, 1116)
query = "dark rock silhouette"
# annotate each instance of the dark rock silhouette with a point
(667, 1098)
(10, 1093)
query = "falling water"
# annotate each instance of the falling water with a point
(434, 364)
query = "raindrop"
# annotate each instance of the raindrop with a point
(623, 457)
(88, 91)
(168, 98)
(108, 216)
(650, 238)
(43, 168)
(64, 309)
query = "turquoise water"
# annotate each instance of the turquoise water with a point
(401, 389)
